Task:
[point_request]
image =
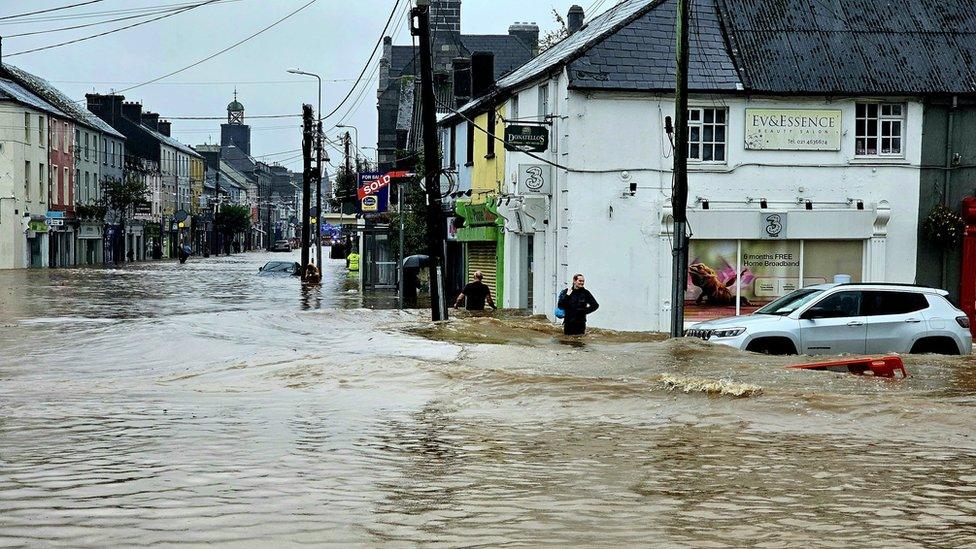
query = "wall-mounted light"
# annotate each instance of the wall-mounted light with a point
(860, 204)
(809, 205)
(763, 204)
(704, 203)
(633, 188)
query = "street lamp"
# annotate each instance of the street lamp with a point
(318, 177)
(356, 130)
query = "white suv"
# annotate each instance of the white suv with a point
(847, 318)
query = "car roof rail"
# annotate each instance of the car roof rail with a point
(897, 284)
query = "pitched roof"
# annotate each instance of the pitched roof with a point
(166, 140)
(641, 54)
(234, 177)
(510, 52)
(15, 92)
(51, 94)
(853, 46)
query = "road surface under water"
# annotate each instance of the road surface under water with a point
(162, 404)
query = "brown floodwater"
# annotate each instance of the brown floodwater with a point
(204, 404)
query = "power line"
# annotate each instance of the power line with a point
(228, 48)
(145, 10)
(96, 23)
(200, 83)
(224, 117)
(140, 23)
(393, 12)
(49, 10)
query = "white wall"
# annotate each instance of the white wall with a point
(617, 240)
(14, 150)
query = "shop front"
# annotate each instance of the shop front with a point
(484, 246)
(739, 261)
(89, 245)
(61, 240)
(37, 242)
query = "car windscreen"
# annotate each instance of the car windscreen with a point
(790, 302)
(279, 267)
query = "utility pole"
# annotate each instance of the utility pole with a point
(679, 199)
(306, 181)
(401, 254)
(318, 196)
(420, 27)
(345, 142)
(215, 245)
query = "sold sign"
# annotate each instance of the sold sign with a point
(372, 184)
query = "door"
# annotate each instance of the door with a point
(842, 330)
(894, 320)
(530, 271)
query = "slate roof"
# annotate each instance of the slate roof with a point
(853, 46)
(232, 176)
(15, 92)
(41, 87)
(402, 61)
(641, 55)
(172, 142)
(510, 52)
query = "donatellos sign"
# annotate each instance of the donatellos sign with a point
(526, 138)
(793, 129)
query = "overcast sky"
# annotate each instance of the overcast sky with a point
(331, 37)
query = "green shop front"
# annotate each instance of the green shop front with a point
(483, 239)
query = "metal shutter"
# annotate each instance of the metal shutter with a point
(482, 257)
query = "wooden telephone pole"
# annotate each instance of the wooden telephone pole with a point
(679, 199)
(436, 229)
(306, 181)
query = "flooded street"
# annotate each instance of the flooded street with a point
(202, 403)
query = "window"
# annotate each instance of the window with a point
(27, 131)
(77, 185)
(51, 180)
(543, 101)
(452, 154)
(893, 303)
(878, 129)
(513, 112)
(87, 135)
(41, 174)
(470, 144)
(88, 196)
(27, 171)
(67, 185)
(706, 134)
(67, 138)
(841, 304)
(54, 136)
(40, 130)
(491, 132)
(105, 151)
(77, 150)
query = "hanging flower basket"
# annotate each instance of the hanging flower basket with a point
(943, 227)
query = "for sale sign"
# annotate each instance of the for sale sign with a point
(374, 192)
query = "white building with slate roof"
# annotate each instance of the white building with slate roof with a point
(805, 157)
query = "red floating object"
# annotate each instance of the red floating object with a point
(884, 366)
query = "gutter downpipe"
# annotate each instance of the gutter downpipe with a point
(950, 125)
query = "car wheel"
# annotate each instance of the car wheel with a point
(935, 345)
(772, 346)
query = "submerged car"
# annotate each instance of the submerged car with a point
(273, 268)
(281, 246)
(860, 318)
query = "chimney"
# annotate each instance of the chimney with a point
(151, 120)
(462, 80)
(482, 73)
(133, 111)
(445, 16)
(107, 107)
(164, 127)
(528, 33)
(385, 64)
(575, 20)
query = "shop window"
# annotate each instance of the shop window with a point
(729, 277)
(879, 129)
(706, 134)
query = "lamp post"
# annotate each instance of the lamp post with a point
(318, 169)
(356, 133)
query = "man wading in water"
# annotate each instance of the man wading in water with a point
(475, 294)
(577, 302)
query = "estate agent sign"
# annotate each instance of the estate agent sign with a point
(793, 129)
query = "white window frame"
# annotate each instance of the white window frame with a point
(27, 128)
(696, 121)
(886, 121)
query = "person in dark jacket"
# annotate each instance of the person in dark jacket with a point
(577, 302)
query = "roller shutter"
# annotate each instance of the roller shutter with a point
(482, 257)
